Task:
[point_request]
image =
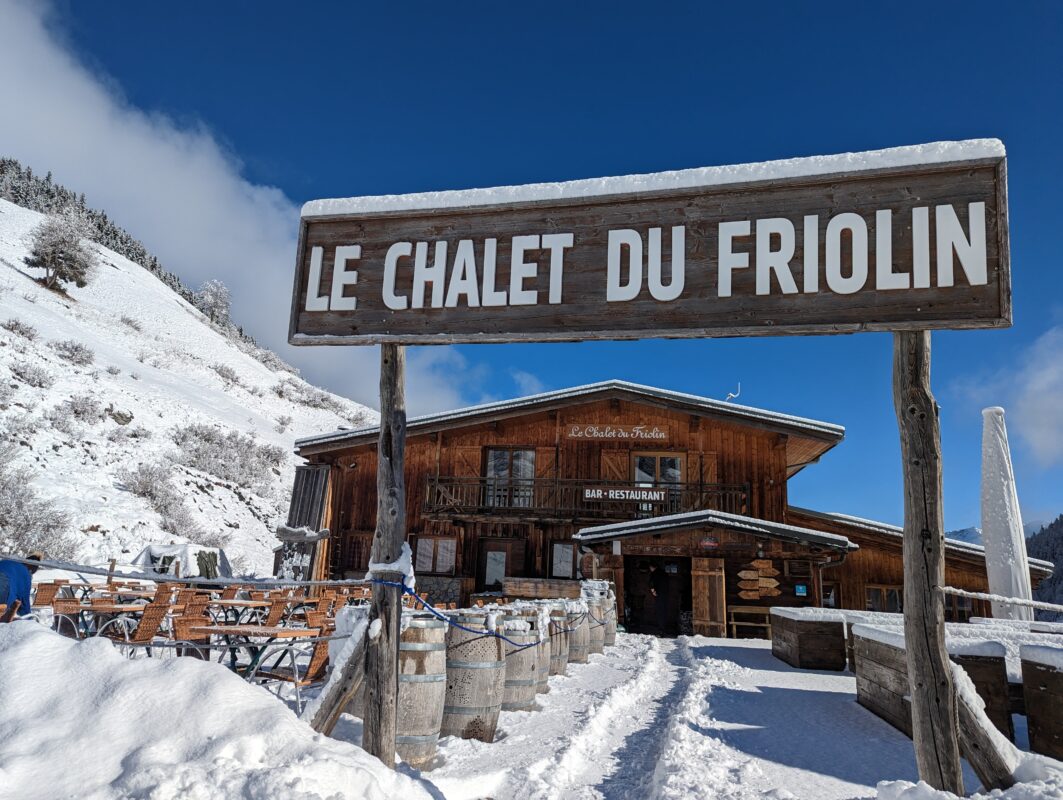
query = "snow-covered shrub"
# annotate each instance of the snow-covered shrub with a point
(84, 408)
(28, 522)
(7, 391)
(231, 456)
(226, 373)
(132, 323)
(31, 374)
(73, 351)
(282, 423)
(58, 249)
(214, 300)
(113, 370)
(304, 394)
(29, 297)
(19, 328)
(271, 360)
(18, 428)
(62, 420)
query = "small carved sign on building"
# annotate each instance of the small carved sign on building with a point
(627, 494)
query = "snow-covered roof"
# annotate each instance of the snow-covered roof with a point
(807, 427)
(718, 519)
(894, 530)
(912, 155)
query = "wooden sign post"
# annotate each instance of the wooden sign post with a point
(382, 664)
(934, 709)
(904, 240)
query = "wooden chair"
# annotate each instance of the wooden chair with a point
(316, 668)
(277, 607)
(230, 592)
(45, 594)
(67, 612)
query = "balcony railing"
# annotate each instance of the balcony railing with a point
(564, 500)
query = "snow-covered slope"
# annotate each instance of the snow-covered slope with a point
(157, 367)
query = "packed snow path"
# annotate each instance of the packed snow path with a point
(693, 717)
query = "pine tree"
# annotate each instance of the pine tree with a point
(58, 249)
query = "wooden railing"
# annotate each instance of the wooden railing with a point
(564, 500)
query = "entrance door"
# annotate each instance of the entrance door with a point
(657, 594)
(708, 586)
(498, 559)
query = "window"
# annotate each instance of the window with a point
(436, 555)
(830, 595)
(563, 560)
(658, 469)
(510, 477)
(961, 609)
(885, 598)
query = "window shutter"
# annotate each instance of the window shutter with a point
(467, 462)
(615, 465)
(307, 507)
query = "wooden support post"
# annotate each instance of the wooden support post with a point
(382, 651)
(934, 711)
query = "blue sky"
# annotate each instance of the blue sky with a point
(210, 123)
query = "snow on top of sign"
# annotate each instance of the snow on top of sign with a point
(896, 530)
(912, 155)
(716, 406)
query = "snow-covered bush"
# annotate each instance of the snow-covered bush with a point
(226, 373)
(73, 351)
(31, 374)
(18, 428)
(62, 420)
(282, 423)
(152, 482)
(132, 323)
(59, 250)
(304, 394)
(7, 391)
(113, 370)
(214, 300)
(23, 329)
(84, 408)
(231, 456)
(28, 522)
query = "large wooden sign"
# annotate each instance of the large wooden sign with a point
(917, 238)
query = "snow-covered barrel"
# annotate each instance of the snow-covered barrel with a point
(558, 641)
(521, 662)
(476, 678)
(579, 637)
(543, 652)
(422, 688)
(610, 617)
(596, 625)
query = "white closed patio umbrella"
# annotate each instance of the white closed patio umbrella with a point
(1002, 534)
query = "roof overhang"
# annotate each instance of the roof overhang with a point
(694, 520)
(815, 437)
(896, 532)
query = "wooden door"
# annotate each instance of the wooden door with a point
(709, 594)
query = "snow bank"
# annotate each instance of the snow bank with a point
(78, 720)
(932, 153)
(812, 614)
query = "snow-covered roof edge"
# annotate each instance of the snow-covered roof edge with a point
(723, 519)
(911, 155)
(894, 530)
(718, 406)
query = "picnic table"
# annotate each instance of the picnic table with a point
(255, 639)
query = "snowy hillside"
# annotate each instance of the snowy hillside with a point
(138, 420)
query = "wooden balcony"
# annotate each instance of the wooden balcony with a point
(567, 501)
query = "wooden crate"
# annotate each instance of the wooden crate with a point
(808, 643)
(540, 588)
(1043, 689)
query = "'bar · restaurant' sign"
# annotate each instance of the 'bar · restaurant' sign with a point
(910, 238)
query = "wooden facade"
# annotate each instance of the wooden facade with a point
(503, 489)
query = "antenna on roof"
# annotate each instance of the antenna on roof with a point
(733, 395)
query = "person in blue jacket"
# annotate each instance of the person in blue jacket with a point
(15, 581)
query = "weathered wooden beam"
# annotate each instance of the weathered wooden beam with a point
(980, 740)
(341, 692)
(382, 650)
(934, 712)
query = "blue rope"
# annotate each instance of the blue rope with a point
(428, 607)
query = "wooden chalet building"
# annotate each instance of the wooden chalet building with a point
(644, 486)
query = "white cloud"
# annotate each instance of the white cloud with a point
(178, 190)
(1038, 397)
(526, 382)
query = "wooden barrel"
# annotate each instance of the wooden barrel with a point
(476, 678)
(542, 684)
(521, 663)
(579, 637)
(610, 620)
(558, 641)
(596, 624)
(422, 688)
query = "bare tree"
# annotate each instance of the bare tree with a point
(214, 300)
